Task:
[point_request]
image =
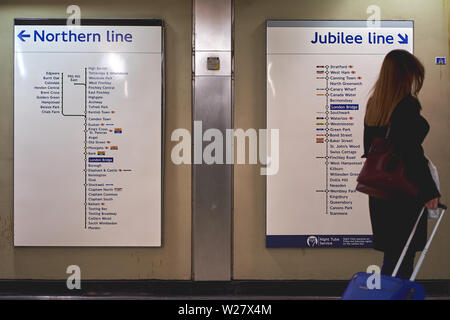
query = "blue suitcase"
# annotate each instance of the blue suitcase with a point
(391, 287)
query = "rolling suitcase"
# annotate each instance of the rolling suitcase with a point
(392, 288)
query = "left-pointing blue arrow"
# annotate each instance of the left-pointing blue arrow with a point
(22, 35)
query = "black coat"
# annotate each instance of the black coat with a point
(393, 220)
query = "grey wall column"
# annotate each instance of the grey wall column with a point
(212, 185)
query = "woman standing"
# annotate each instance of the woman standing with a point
(394, 101)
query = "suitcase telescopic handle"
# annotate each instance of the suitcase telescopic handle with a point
(427, 246)
(441, 206)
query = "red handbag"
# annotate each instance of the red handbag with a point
(383, 173)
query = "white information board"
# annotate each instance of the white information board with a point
(88, 110)
(319, 75)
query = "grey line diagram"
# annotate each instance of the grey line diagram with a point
(85, 132)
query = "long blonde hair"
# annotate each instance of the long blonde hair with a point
(401, 74)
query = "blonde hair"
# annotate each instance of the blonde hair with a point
(401, 74)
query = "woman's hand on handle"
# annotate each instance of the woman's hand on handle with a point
(432, 204)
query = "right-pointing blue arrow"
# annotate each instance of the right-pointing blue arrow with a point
(403, 40)
(21, 35)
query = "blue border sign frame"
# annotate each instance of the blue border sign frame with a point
(316, 240)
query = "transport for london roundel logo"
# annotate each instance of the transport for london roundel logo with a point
(312, 241)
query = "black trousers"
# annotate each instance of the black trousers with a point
(390, 261)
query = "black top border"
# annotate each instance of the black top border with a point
(88, 22)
